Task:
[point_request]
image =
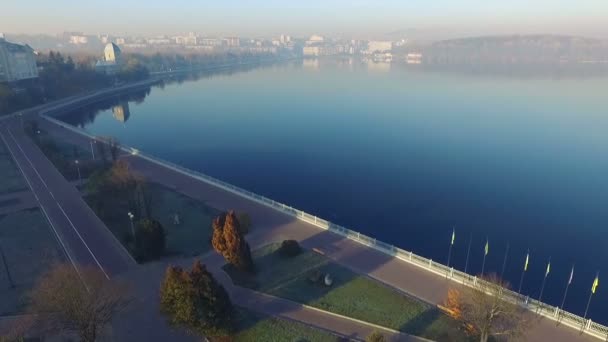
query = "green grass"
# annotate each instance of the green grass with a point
(11, 180)
(254, 328)
(63, 156)
(350, 295)
(191, 237)
(30, 247)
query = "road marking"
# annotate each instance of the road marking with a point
(81, 239)
(43, 210)
(58, 205)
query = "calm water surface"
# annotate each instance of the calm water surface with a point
(404, 155)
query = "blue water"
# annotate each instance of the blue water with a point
(404, 155)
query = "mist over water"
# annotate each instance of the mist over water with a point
(404, 154)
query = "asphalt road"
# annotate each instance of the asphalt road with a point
(271, 225)
(83, 236)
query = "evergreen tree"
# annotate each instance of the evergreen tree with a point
(228, 241)
(196, 301)
(150, 240)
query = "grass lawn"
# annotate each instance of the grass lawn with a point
(191, 237)
(11, 180)
(254, 328)
(64, 154)
(350, 295)
(30, 247)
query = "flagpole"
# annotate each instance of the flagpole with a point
(561, 307)
(523, 273)
(485, 253)
(542, 287)
(591, 294)
(466, 264)
(588, 302)
(450, 250)
(504, 262)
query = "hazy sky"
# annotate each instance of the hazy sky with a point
(258, 17)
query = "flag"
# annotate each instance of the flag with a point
(548, 269)
(487, 247)
(596, 282)
(571, 276)
(453, 235)
(527, 259)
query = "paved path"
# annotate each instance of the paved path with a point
(272, 225)
(84, 237)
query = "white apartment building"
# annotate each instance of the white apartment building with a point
(375, 46)
(17, 62)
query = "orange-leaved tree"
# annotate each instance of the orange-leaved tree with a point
(229, 242)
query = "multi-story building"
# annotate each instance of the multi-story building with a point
(379, 46)
(232, 41)
(17, 62)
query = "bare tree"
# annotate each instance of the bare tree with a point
(82, 302)
(486, 311)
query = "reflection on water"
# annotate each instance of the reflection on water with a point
(121, 111)
(403, 153)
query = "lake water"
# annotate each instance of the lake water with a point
(404, 154)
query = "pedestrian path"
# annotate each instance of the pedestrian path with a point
(273, 225)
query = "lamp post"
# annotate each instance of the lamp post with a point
(78, 169)
(92, 149)
(131, 216)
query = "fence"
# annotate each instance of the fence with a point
(551, 312)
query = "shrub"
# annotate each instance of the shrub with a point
(289, 248)
(375, 336)
(195, 301)
(150, 239)
(315, 276)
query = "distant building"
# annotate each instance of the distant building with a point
(112, 60)
(17, 62)
(232, 41)
(79, 40)
(315, 51)
(315, 39)
(379, 46)
(190, 39)
(414, 58)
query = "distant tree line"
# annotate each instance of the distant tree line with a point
(60, 77)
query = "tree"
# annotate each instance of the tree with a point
(83, 302)
(486, 311)
(114, 146)
(375, 336)
(196, 301)
(228, 241)
(290, 248)
(150, 240)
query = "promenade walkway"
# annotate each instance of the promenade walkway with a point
(271, 225)
(85, 239)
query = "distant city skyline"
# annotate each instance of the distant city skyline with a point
(356, 18)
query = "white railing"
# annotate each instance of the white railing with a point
(546, 310)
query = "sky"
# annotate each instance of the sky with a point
(354, 18)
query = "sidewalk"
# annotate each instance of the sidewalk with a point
(271, 225)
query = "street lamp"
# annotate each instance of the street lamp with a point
(131, 216)
(92, 150)
(78, 168)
